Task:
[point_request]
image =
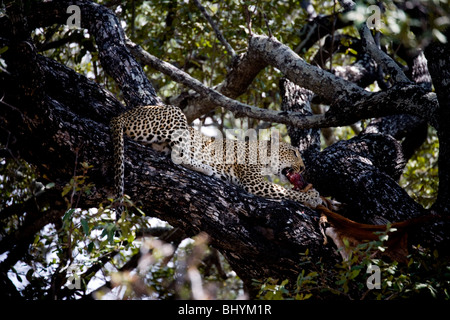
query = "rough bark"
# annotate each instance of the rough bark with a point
(390, 66)
(410, 130)
(363, 172)
(297, 99)
(352, 171)
(439, 67)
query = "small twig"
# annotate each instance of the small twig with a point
(215, 27)
(333, 30)
(74, 188)
(322, 61)
(267, 25)
(311, 32)
(7, 104)
(384, 85)
(249, 20)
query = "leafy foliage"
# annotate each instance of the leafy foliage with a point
(16, 181)
(425, 276)
(420, 178)
(91, 248)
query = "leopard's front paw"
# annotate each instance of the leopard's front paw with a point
(313, 198)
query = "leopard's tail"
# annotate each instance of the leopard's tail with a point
(116, 126)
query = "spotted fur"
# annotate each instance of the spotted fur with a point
(244, 163)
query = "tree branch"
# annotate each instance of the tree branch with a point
(321, 82)
(214, 97)
(347, 4)
(362, 72)
(350, 102)
(215, 28)
(110, 39)
(297, 99)
(380, 57)
(319, 27)
(439, 67)
(241, 73)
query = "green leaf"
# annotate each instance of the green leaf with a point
(435, 254)
(85, 225)
(68, 215)
(49, 185)
(131, 238)
(109, 231)
(351, 50)
(354, 273)
(36, 239)
(86, 165)
(4, 49)
(67, 188)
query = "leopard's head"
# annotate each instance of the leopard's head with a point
(290, 161)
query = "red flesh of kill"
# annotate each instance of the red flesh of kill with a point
(297, 180)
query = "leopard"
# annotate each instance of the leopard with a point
(245, 163)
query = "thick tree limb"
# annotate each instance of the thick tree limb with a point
(322, 83)
(439, 67)
(410, 130)
(243, 227)
(297, 99)
(419, 70)
(347, 169)
(362, 72)
(349, 100)
(380, 57)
